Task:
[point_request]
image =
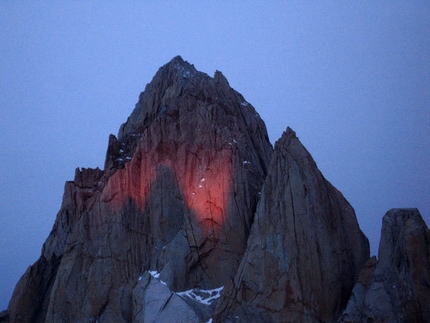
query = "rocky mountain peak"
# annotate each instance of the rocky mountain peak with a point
(162, 92)
(177, 90)
(196, 218)
(177, 198)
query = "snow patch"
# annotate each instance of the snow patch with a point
(246, 162)
(244, 103)
(154, 273)
(203, 296)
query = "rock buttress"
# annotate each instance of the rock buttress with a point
(305, 249)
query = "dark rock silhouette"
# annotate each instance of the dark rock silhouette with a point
(194, 218)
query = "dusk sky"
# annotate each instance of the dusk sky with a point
(352, 78)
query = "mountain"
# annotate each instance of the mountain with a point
(196, 218)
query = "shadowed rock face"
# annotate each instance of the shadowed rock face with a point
(397, 287)
(305, 249)
(177, 196)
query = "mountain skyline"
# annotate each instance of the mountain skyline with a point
(352, 81)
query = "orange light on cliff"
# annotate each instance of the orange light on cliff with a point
(130, 184)
(206, 195)
(205, 187)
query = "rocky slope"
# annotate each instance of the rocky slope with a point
(195, 219)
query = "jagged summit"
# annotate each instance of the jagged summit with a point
(171, 78)
(177, 197)
(177, 90)
(288, 135)
(196, 218)
(173, 81)
(305, 249)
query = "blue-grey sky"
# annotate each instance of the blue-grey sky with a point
(352, 78)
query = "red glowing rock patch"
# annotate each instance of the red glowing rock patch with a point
(206, 195)
(205, 186)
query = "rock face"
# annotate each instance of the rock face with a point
(397, 287)
(305, 249)
(195, 218)
(177, 196)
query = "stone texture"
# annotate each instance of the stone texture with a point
(177, 195)
(397, 287)
(305, 249)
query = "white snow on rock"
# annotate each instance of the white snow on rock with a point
(154, 273)
(203, 296)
